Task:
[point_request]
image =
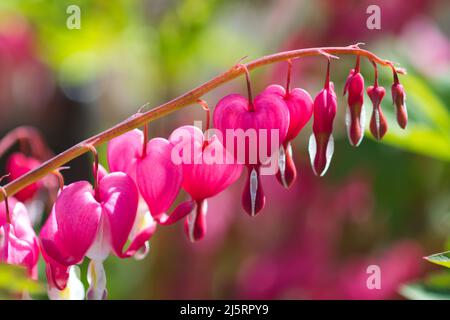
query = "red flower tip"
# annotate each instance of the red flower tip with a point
(399, 99)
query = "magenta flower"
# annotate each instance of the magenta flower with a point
(265, 122)
(321, 143)
(156, 175)
(17, 165)
(92, 223)
(18, 242)
(355, 114)
(300, 106)
(206, 172)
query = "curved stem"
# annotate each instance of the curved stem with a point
(190, 97)
(288, 77)
(30, 135)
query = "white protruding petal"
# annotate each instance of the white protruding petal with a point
(74, 289)
(101, 247)
(253, 189)
(289, 149)
(191, 223)
(282, 165)
(362, 124)
(329, 154)
(142, 252)
(97, 281)
(312, 150)
(348, 123)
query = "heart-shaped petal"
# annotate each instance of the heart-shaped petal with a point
(158, 177)
(207, 174)
(124, 152)
(78, 217)
(119, 199)
(300, 105)
(257, 133)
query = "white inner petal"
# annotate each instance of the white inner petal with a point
(312, 149)
(329, 154)
(96, 277)
(282, 165)
(253, 189)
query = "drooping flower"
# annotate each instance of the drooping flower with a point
(206, 172)
(158, 178)
(321, 142)
(17, 165)
(399, 99)
(94, 223)
(300, 106)
(355, 113)
(252, 131)
(18, 241)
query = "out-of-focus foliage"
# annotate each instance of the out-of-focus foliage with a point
(14, 280)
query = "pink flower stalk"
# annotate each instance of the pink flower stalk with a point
(355, 114)
(267, 115)
(17, 165)
(300, 106)
(206, 173)
(94, 223)
(399, 99)
(378, 123)
(18, 242)
(158, 178)
(321, 142)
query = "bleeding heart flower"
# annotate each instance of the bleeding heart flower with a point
(256, 129)
(92, 223)
(300, 106)
(17, 165)
(399, 99)
(355, 115)
(321, 142)
(156, 175)
(18, 242)
(206, 172)
(378, 123)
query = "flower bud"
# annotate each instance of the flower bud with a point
(355, 114)
(321, 143)
(399, 99)
(378, 123)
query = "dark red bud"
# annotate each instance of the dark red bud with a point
(195, 223)
(378, 123)
(399, 99)
(253, 198)
(287, 173)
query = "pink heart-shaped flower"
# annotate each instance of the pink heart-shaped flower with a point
(252, 131)
(205, 172)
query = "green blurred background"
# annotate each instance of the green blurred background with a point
(382, 203)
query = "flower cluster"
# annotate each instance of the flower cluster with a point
(120, 211)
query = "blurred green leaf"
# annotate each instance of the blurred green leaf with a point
(419, 292)
(442, 259)
(435, 287)
(14, 279)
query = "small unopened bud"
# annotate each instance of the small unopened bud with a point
(399, 99)
(355, 115)
(378, 123)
